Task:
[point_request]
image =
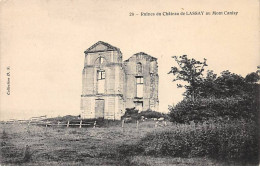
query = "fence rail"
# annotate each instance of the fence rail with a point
(78, 122)
(48, 123)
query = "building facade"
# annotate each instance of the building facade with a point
(109, 85)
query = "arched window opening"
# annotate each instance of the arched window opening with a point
(139, 68)
(101, 60)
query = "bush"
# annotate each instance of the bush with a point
(153, 114)
(134, 115)
(131, 114)
(232, 143)
(27, 154)
(218, 108)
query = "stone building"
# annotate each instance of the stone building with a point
(109, 85)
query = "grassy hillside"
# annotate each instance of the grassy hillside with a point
(85, 146)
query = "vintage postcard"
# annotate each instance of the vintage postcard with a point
(129, 82)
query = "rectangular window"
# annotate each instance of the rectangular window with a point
(139, 87)
(101, 74)
(139, 80)
(101, 81)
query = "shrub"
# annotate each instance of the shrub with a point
(134, 115)
(4, 135)
(27, 154)
(207, 108)
(232, 143)
(131, 114)
(152, 114)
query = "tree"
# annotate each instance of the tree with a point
(208, 86)
(214, 97)
(258, 69)
(190, 71)
(230, 84)
(252, 77)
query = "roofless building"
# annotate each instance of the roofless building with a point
(109, 85)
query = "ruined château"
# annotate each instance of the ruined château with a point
(109, 85)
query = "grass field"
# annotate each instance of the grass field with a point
(81, 146)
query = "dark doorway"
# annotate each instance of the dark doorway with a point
(99, 108)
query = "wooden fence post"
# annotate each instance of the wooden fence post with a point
(94, 126)
(68, 124)
(156, 124)
(80, 123)
(123, 121)
(28, 126)
(137, 125)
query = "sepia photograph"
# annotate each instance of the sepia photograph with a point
(129, 82)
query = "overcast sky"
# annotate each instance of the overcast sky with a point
(43, 42)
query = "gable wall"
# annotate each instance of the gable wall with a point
(150, 82)
(120, 83)
(109, 56)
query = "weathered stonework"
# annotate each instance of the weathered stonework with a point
(110, 86)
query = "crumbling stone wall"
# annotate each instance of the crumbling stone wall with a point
(133, 83)
(106, 58)
(149, 73)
